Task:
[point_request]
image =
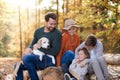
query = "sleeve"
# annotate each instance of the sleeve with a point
(61, 51)
(73, 65)
(78, 41)
(56, 43)
(87, 60)
(34, 40)
(99, 49)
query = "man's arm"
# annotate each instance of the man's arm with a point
(99, 49)
(30, 47)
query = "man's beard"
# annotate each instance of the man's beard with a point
(50, 29)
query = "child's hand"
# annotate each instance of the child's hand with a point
(78, 60)
(82, 63)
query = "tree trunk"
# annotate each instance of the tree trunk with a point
(57, 10)
(20, 31)
(67, 6)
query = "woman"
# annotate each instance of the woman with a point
(70, 40)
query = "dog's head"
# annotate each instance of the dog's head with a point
(43, 43)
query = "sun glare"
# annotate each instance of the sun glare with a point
(22, 3)
(32, 4)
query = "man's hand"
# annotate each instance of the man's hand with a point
(35, 46)
(82, 63)
(28, 50)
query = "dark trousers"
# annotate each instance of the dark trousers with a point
(32, 63)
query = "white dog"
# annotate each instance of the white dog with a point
(42, 43)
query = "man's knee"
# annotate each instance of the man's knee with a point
(26, 59)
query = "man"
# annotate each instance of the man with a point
(97, 61)
(31, 62)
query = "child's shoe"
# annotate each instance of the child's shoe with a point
(67, 76)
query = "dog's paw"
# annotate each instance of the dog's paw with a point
(40, 58)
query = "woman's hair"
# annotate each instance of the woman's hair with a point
(50, 15)
(85, 51)
(91, 41)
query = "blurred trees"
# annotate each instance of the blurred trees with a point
(12, 17)
(100, 17)
(5, 27)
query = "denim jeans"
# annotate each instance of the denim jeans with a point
(67, 58)
(32, 63)
(65, 69)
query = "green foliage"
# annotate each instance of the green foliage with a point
(110, 39)
(2, 51)
(4, 45)
(84, 12)
(6, 39)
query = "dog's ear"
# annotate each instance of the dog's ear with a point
(39, 42)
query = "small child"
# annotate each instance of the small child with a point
(97, 62)
(76, 69)
(52, 73)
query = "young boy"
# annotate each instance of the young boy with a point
(97, 62)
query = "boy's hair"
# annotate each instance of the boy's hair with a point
(91, 41)
(50, 15)
(53, 72)
(85, 51)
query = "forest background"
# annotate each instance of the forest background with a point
(20, 18)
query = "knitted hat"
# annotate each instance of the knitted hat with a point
(68, 24)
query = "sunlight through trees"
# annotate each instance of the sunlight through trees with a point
(19, 19)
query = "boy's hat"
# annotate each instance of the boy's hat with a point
(68, 24)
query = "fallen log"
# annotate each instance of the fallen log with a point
(112, 59)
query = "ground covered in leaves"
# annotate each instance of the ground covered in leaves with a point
(7, 65)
